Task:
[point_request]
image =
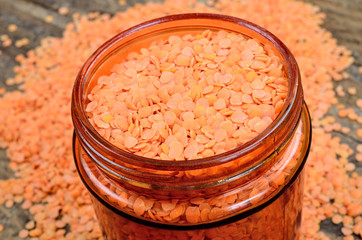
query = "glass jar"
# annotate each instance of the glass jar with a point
(254, 191)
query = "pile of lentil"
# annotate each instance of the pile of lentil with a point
(36, 127)
(189, 96)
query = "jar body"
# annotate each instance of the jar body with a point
(277, 218)
(251, 192)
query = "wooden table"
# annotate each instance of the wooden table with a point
(344, 20)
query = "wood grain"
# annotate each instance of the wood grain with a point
(343, 19)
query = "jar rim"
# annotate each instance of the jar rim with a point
(294, 99)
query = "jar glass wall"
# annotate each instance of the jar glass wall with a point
(251, 192)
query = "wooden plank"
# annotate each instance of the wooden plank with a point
(25, 8)
(343, 19)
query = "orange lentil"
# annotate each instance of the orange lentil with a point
(340, 91)
(359, 148)
(181, 99)
(359, 157)
(7, 43)
(336, 219)
(9, 203)
(359, 103)
(12, 27)
(63, 10)
(345, 129)
(23, 233)
(350, 237)
(346, 231)
(176, 212)
(321, 166)
(130, 142)
(35, 232)
(352, 91)
(359, 133)
(21, 42)
(350, 167)
(30, 225)
(139, 206)
(192, 214)
(49, 19)
(4, 37)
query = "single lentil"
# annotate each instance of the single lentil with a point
(359, 132)
(12, 28)
(49, 19)
(63, 10)
(23, 233)
(352, 90)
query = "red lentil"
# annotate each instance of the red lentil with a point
(254, 117)
(7, 43)
(122, 2)
(21, 42)
(63, 10)
(49, 19)
(359, 133)
(352, 91)
(23, 233)
(30, 225)
(32, 143)
(12, 28)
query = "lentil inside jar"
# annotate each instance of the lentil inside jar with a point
(198, 106)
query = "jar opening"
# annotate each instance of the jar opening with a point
(276, 133)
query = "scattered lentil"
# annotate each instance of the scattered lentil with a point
(49, 19)
(352, 91)
(47, 147)
(21, 42)
(30, 225)
(23, 233)
(12, 28)
(7, 42)
(359, 133)
(63, 10)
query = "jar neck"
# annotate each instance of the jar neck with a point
(231, 171)
(247, 161)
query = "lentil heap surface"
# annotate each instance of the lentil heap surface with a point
(189, 96)
(36, 127)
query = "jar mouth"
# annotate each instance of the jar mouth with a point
(287, 118)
